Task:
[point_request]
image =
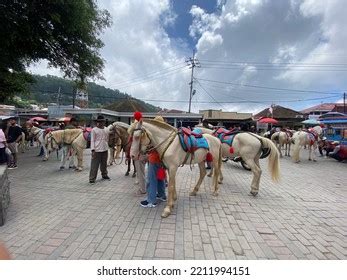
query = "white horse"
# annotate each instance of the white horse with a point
(38, 135)
(308, 138)
(165, 140)
(73, 142)
(74, 138)
(282, 139)
(250, 147)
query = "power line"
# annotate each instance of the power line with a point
(153, 78)
(210, 95)
(265, 87)
(150, 74)
(271, 63)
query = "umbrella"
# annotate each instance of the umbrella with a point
(311, 121)
(268, 120)
(37, 119)
(64, 119)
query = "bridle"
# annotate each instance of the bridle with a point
(150, 148)
(50, 139)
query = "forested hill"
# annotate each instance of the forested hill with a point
(45, 91)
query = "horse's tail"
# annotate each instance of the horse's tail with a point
(274, 163)
(296, 149)
(220, 158)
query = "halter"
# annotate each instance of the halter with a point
(39, 132)
(50, 139)
(171, 137)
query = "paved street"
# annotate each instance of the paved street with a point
(58, 215)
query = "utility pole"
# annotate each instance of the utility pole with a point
(59, 97)
(344, 103)
(73, 97)
(192, 63)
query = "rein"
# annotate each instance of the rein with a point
(173, 133)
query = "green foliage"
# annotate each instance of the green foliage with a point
(45, 91)
(66, 33)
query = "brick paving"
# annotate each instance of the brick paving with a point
(58, 215)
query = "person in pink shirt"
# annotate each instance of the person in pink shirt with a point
(3, 145)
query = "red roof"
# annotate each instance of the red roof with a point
(321, 107)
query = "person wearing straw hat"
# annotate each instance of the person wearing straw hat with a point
(99, 148)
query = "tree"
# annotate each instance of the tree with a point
(66, 33)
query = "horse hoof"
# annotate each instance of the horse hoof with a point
(309, 159)
(215, 194)
(166, 213)
(192, 193)
(254, 193)
(220, 182)
(315, 160)
(61, 167)
(134, 175)
(126, 174)
(78, 169)
(209, 175)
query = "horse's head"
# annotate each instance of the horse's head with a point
(50, 142)
(140, 139)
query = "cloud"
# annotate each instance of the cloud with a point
(292, 44)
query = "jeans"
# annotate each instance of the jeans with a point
(154, 186)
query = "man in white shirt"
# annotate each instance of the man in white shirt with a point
(99, 147)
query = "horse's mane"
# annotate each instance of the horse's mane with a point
(121, 124)
(160, 124)
(152, 122)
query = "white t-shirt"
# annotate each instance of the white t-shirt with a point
(99, 139)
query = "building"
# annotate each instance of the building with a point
(286, 117)
(226, 119)
(316, 111)
(6, 111)
(86, 116)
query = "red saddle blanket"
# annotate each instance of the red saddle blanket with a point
(196, 132)
(86, 133)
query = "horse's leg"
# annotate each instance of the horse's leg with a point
(256, 175)
(134, 173)
(211, 171)
(217, 176)
(72, 156)
(280, 145)
(79, 154)
(314, 148)
(309, 152)
(63, 158)
(202, 176)
(128, 170)
(111, 158)
(171, 192)
(45, 153)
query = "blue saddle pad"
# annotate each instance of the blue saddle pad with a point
(228, 139)
(191, 143)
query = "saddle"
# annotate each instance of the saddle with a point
(312, 135)
(197, 132)
(226, 136)
(192, 140)
(87, 135)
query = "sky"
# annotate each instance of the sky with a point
(249, 53)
